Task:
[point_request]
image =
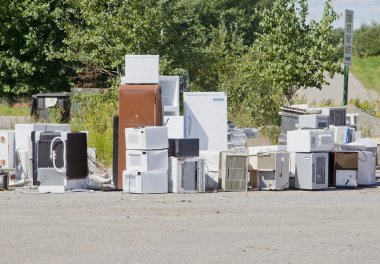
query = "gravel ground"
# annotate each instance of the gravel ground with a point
(331, 226)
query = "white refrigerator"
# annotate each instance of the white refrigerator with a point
(206, 118)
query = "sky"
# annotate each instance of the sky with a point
(365, 11)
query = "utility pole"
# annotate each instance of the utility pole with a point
(348, 36)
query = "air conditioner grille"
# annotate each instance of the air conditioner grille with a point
(266, 162)
(321, 172)
(235, 185)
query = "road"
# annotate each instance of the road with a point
(334, 91)
(331, 226)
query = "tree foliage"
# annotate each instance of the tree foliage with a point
(28, 37)
(290, 53)
(367, 40)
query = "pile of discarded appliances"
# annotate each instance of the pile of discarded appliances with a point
(199, 151)
(158, 150)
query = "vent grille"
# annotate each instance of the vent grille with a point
(236, 173)
(235, 185)
(325, 140)
(266, 162)
(312, 142)
(338, 117)
(320, 171)
(134, 160)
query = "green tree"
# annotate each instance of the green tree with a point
(291, 53)
(28, 37)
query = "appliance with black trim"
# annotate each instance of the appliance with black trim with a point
(60, 161)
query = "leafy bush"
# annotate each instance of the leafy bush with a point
(370, 107)
(95, 115)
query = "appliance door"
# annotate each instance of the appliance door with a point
(346, 178)
(206, 119)
(366, 168)
(139, 105)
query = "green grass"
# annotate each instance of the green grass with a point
(7, 110)
(367, 70)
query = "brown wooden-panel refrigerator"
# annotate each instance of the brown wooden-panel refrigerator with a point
(139, 105)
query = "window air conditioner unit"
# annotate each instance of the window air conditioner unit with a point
(346, 178)
(366, 168)
(145, 181)
(146, 138)
(314, 121)
(343, 134)
(186, 175)
(147, 160)
(337, 115)
(273, 170)
(61, 162)
(7, 149)
(234, 171)
(312, 171)
(316, 140)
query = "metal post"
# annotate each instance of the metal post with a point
(345, 85)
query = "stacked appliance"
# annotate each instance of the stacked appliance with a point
(7, 149)
(187, 170)
(140, 104)
(60, 161)
(309, 146)
(24, 148)
(346, 165)
(273, 170)
(170, 94)
(146, 160)
(343, 133)
(234, 171)
(290, 119)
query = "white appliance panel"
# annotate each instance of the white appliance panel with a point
(147, 160)
(175, 125)
(145, 182)
(7, 149)
(316, 140)
(312, 171)
(206, 119)
(142, 69)
(147, 138)
(366, 168)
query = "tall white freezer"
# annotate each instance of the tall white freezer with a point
(206, 118)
